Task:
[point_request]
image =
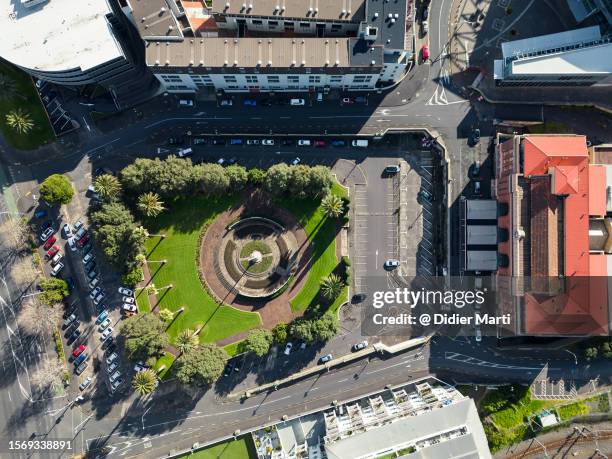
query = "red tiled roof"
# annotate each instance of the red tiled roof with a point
(597, 190)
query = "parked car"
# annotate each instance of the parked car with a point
(129, 299)
(125, 291)
(288, 348)
(116, 384)
(85, 384)
(103, 315)
(200, 141)
(57, 269)
(425, 27)
(218, 141)
(235, 141)
(360, 143)
(361, 100)
(249, 102)
(338, 143)
(267, 142)
(360, 346)
(253, 142)
(320, 143)
(392, 264)
(112, 367)
(72, 244)
(73, 336)
(78, 350)
(477, 189)
(80, 359)
(139, 366)
(105, 323)
(106, 333)
(424, 53)
(114, 376)
(94, 283)
(296, 161)
(111, 358)
(97, 300)
(426, 195)
(475, 138)
(228, 368)
(176, 141)
(326, 358)
(78, 225)
(81, 231)
(56, 259)
(46, 224)
(71, 318)
(52, 251)
(84, 240)
(185, 103)
(348, 100)
(304, 143)
(67, 230)
(478, 336)
(71, 284)
(40, 214)
(296, 102)
(46, 234)
(112, 346)
(81, 368)
(129, 308)
(86, 248)
(95, 292)
(49, 243)
(90, 266)
(184, 152)
(92, 274)
(287, 142)
(392, 169)
(476, 169)
(226, 102)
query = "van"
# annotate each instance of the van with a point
(185, 103)
(360, 143)
(303, 143)
(319, 97)
(183, 153)
(297, 102)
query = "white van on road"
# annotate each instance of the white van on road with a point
(360, 143)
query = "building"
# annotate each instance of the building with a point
(478, 235)
(554, 203)
(72, 44)
(574, 58)
(418, 420)
(583, 9)
(272, 46)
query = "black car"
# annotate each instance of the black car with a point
(92, 274)
(111, 347)
(46, 224)
(75, 334)
(288, 142)
(107, 342)
(89, 267)
(86, 248)
(70, 330)
(228, 368)
(475, 136)
(218, 141)
(71, 284)
(267, 102)
(175, 141)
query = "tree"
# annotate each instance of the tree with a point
(116, 232)
(23, 271)
(277, 179)
(332, 206)
(301, 329)
(590, 353)
(186, 341)
(20, 121)
(211, 179)
(150, 205)
(256, 176)
(49, 375)
(144, 336)
(606, 350)
(168, 178)
(108, 187)
(320, 181)
(56, 189)
(131, 278)
(325, 328)
(331, 286)
(8, 88)
(237, 176)
(258, 342)
(54, 290)
(37, 318)
(203, 365)
(14, 234)
(279, 332)
(166, 315)
(144, 382)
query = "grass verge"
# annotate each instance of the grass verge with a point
(166, 361)
(182, 225)
(242, 448)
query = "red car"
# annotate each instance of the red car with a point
(425, 53)
(320, 143)
(49, 242)
(78, 351)
(81, 242)
(52, 251)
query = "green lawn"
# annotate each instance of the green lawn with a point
(182, 225)
(142, 301)
(571, 411)
(233, 348)
(165, 360)
(322, 233)
(242, 448)
(251, 246)
(28, 100)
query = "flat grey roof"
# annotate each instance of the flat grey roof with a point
(481, 209)
(391, 29)
(459, 414)
(481, 234)
(588, 60)
(551, 41)
(254, 52)
(154, 18)
(481, 260)
(340, 10)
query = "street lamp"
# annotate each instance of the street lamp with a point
(575, 357)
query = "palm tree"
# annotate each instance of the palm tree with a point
(331, 286)
(107, 186)
(8, 88)
(144, 382)
(332, 206)
(150, 205)
(166, 315)
(186, 341)
(20, 121)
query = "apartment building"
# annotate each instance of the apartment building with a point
(274, 46)
(578, 57)
(419, 420)
(555, 235)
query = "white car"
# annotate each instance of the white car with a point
(288, 348)
(72, 244)
(304, 143)
(139, 367)
(392, 264)
(94, 283)
(129, 308)
(99, 298)
(85, 384)
(267, 142)
(296, 161)
(112, 367)
(128, 299)
(87, 258)
(57, 268)
(297, 102)
(104, 324)
(111, 358)
(116, 384)
(227, 103)
(95, 292)
(125, 291)
(106, 333)
(253, 142)
(115, 376)
(67, 229)
(478, 335)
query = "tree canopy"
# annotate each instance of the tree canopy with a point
(301, 181)
(56, 189)
(54, 290)
(258, 342)
(203, 365)
(144, 336)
